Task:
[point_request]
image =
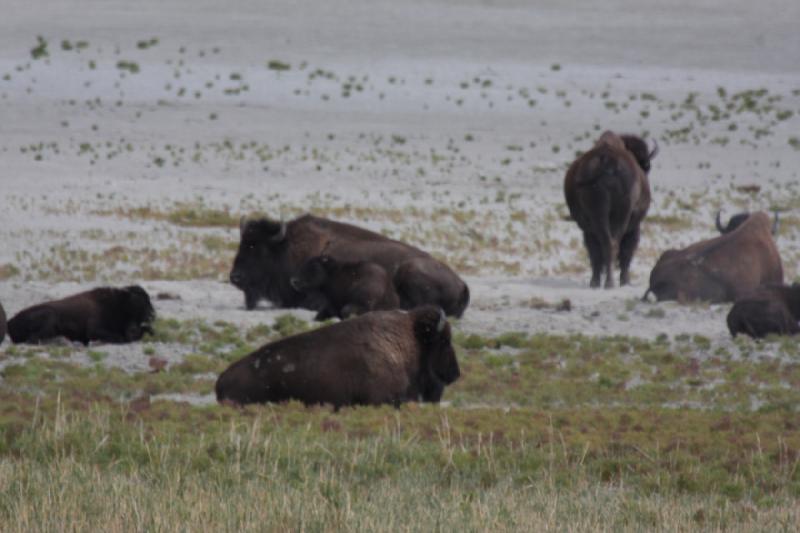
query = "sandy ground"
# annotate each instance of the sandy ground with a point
(448, 124)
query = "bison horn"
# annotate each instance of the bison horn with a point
(654, 152)
(775, 224)
(442, 321)
(278, 237)
(242, 223)
(719, 222)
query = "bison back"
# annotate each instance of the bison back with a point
(426, 281)
(364, 360)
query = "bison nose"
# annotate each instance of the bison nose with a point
(236, 278)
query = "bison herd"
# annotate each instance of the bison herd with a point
(393, 343)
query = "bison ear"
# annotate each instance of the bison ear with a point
(280, 235)
(429, 324)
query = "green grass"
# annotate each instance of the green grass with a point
(88, 464)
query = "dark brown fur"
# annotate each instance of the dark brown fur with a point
(2, 323)
(608, 195)
(376, 358)
(768, 309)
(348, 288)
(103, 314)
(266, 261)
(721, 269)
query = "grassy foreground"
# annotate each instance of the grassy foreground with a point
(83, 464)
(543, 432)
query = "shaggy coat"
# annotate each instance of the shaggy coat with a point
(103, 314)
(721, 269)
(2, 323)
(768, 309)
(348, 288)
(608, 195)
(376, 358)
(271, 253)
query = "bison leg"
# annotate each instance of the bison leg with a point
(626, 249)
(607, 249)
(595, 257)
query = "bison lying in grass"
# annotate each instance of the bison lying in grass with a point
(768, 309)
(271, 253)
(382, 357)
(103, 314)
(608, 195)
(721, 269)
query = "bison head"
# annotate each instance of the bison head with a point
(255, 262)
(141, 312)
(314, 273)
(641, 152)
(433, 335)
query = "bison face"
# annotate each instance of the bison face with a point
(139, 302)
(314, 273)
(261, 241)
(141, 313)
(433, 335)
(638, 147)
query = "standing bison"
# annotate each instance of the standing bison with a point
(104, 314)
(271, 253)
(608, 195)
(768, 309)
(346, 288)
(383, 357)
(721, 269)
(2, 323)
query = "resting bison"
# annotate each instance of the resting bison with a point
(608, 195)
(2, 323)
(768, 309)
(736, 221)
(376, 358)
(271, 253)
(103, 314)
(348, 288)
(721, 269)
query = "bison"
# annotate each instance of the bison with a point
(736, 221)
(768, 309)
(382, 357)
(107, 314)
(2, 323)
(271, 253)
(608, 195)
(348, 288)
(721, 269)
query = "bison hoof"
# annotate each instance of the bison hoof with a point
(595, 283)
